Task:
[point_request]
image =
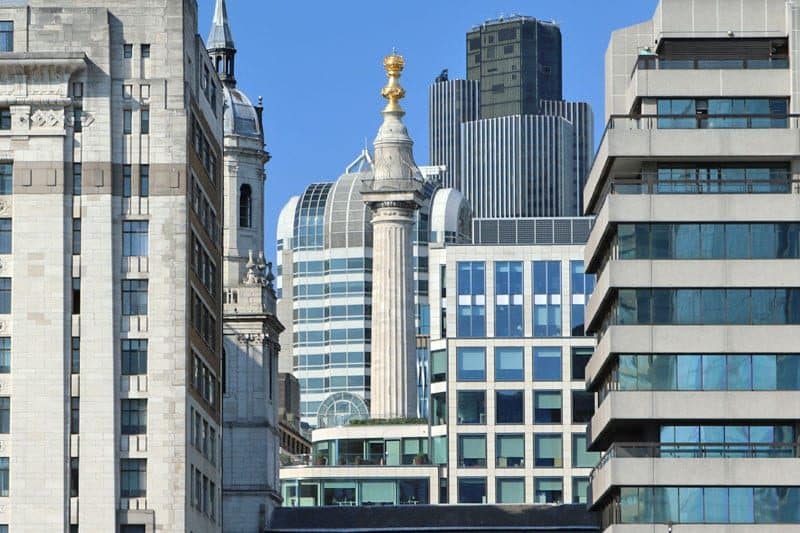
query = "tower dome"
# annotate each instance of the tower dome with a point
(241, 116)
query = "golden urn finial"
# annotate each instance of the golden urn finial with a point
(393, 64)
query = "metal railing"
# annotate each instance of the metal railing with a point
(695, 450)
(654, 62)
(652, 183)
(353, 459)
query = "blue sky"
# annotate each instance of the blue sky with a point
(318, 66)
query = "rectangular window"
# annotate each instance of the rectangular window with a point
(5, 414)
(581, 288)
(127, 51)
(582, 406)
(510, 451)
(133, 483)
(509, 364)
(74, 415)
(145, 51)
(5, 296)
(76, 236)
(127, 121)
(471, 364)
(5, 118)
(547, 405)
(126, 181)
(77, 178)
(511, 490)
(547, 448)
(145, 121)
(471, 407)
(471, 320)
(134, 417)
(5, 355)
(472, 451)
(77, 120)
(547, 363)
(134, 357)
(581, 458)
(6, 36)
(472, 490)
(134, 297)
(75, 356)
(509, 407)
(76, 296)
(438, 366)
(144, 181)
(548, 490)
(134, 238)
(5, 235)
(508, 298)
(547, 298)
(580, 358)
(4, 476)
(6, 177)
(580, 490)
(73, 477)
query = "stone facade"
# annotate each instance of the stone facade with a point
(101, 101)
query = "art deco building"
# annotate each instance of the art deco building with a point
(695, 248)
(250, 433)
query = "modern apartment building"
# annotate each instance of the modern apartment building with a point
(324, 284)
(508, 407)
(251, 428)
(507, 140)
(517, 61)
(695, 249)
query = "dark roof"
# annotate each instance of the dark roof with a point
(495, 518)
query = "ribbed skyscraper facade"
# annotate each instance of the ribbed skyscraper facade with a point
(505, 137)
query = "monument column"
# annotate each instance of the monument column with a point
(393, 195)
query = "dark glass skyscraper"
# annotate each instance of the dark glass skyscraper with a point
(518, 63)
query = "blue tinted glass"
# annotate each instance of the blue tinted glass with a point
(687, 241)
(712, 434)
(687, 434)
(471, 364)
(554, 277)
(714, 372)
(464, 275)
(547, 364)
(691, 504)
(712, 241)
(741, 505)
(712, 307)
(788, 371)
(508, 364)
(739, 377)
(737, 241)
(737, 306)
(715, 505)
(539, 277)
(765, 505)
(576, 270)
(689, 372)
(765, 370)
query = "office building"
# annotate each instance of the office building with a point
(517, 61)
(111, 143)
(695, 248)
(250, 432)
(506, 138)
(508, 407)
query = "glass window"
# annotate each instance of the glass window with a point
(6, 178)
(580, 358)
(134, 417)
(471, 490)
(581, 288)
(344, 493)
(134, 297)
(134, 356)
(74, 415)
(5, 355)
(547, 407)
(5, 296)
(509, 407)
(145, 121)
(471, 364)
(5, 235)
(547, 363)
(144, 180)
(582, 406)
(508, 364)
(547, 448)
(127, 120)
(510, 451)
(471, 407)
(580, 490)
(471, 320)
(76, 296)
(511, 490)
(6, 36)
(134, 238)
(547, 298)
(245, 206)
(581, 457)
(548, 490)
(472, 451)
(126, 181)
(508, 299)
(75, 359)
(133, 479)
(76, 236)
(77, 178)
(4, 477)
(5, 414)
(438, 366)
(73, 480)
(127, 51)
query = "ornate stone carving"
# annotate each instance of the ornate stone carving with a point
(47, 118)
(2, 265)
(3, 327)
(5, 205)
(251, 338)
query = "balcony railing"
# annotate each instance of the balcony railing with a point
(694, 450)
(653, 62)
(352, 459)
(652, 183)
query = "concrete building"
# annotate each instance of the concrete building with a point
(508, 407)
(696, 248)
(111, 142)
(508, 141)
(250, 432)
(517, 61)
(325, 266)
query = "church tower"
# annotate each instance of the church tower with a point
(251, 440)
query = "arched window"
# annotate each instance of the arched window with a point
(245, 207)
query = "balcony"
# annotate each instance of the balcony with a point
(721, 137)
(688, 464)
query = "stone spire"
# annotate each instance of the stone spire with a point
(393, 195)
(220, 44)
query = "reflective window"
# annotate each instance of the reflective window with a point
(548, 490)
(471, 320)
(547, 450)
(6, 36)
(6, 177)
(508, 363)
(547, 407)
(580, 357)
(309, 222)
(471, 364)
(509, 407)
(547, 298)
(547, 363)
(581, 287)
(580, 490)
(683, 113)
(508, 298)
(582, 406)
(510, 490)
(5, 235)
(472, 451)
(472, 490)
(471, 407)
(581, 457)
(510, 451)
